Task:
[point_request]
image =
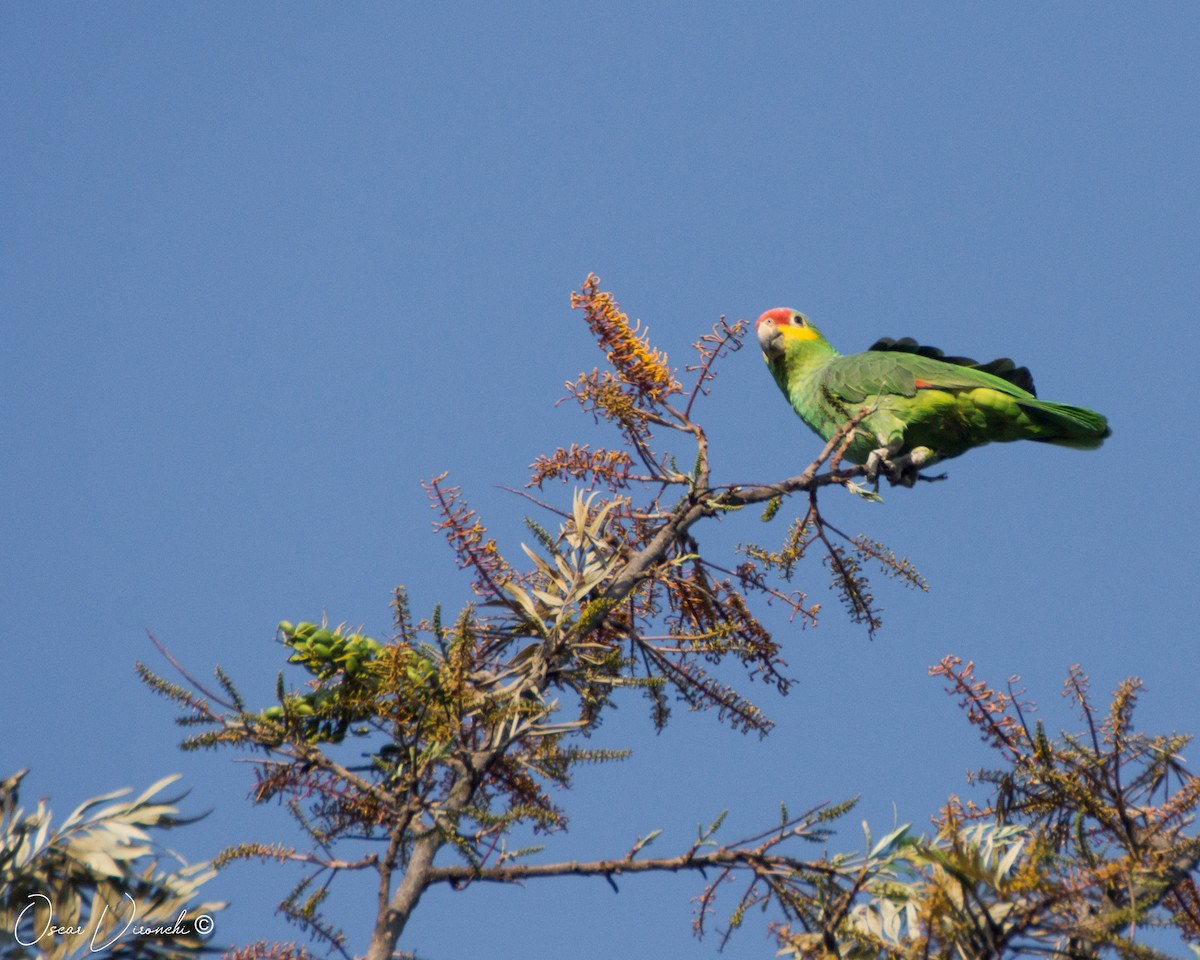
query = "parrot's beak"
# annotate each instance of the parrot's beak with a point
(769, 337)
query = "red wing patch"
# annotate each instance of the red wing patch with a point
(922, 383)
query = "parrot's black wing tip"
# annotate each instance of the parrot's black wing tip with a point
(1002, 367)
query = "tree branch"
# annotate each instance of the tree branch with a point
(725, 857)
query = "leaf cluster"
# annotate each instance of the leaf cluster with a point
(72, 890)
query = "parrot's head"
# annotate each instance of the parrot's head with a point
(782, 328)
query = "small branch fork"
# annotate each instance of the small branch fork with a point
(704, 502)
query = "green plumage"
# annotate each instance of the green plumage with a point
(923, 406)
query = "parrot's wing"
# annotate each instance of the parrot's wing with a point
(1002, 367)
(861, 375)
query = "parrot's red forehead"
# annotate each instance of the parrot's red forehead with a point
(778, 314)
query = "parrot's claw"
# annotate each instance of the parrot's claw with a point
(879, 461)
(903, 471)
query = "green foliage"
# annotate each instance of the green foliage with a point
(97, 879)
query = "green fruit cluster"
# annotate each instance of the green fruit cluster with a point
(324, 652)
(340, 661)
(316, 715)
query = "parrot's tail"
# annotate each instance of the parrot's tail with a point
(1067, 426)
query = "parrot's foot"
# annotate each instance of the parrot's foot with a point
(877, 459)
(903, 471)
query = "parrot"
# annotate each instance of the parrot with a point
(920, 405)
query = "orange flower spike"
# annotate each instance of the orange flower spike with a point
(626, 345)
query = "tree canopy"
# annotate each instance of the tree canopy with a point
(439, 755)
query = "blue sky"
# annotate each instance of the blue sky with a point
(265, 267)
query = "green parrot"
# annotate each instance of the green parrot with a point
(923, 406)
